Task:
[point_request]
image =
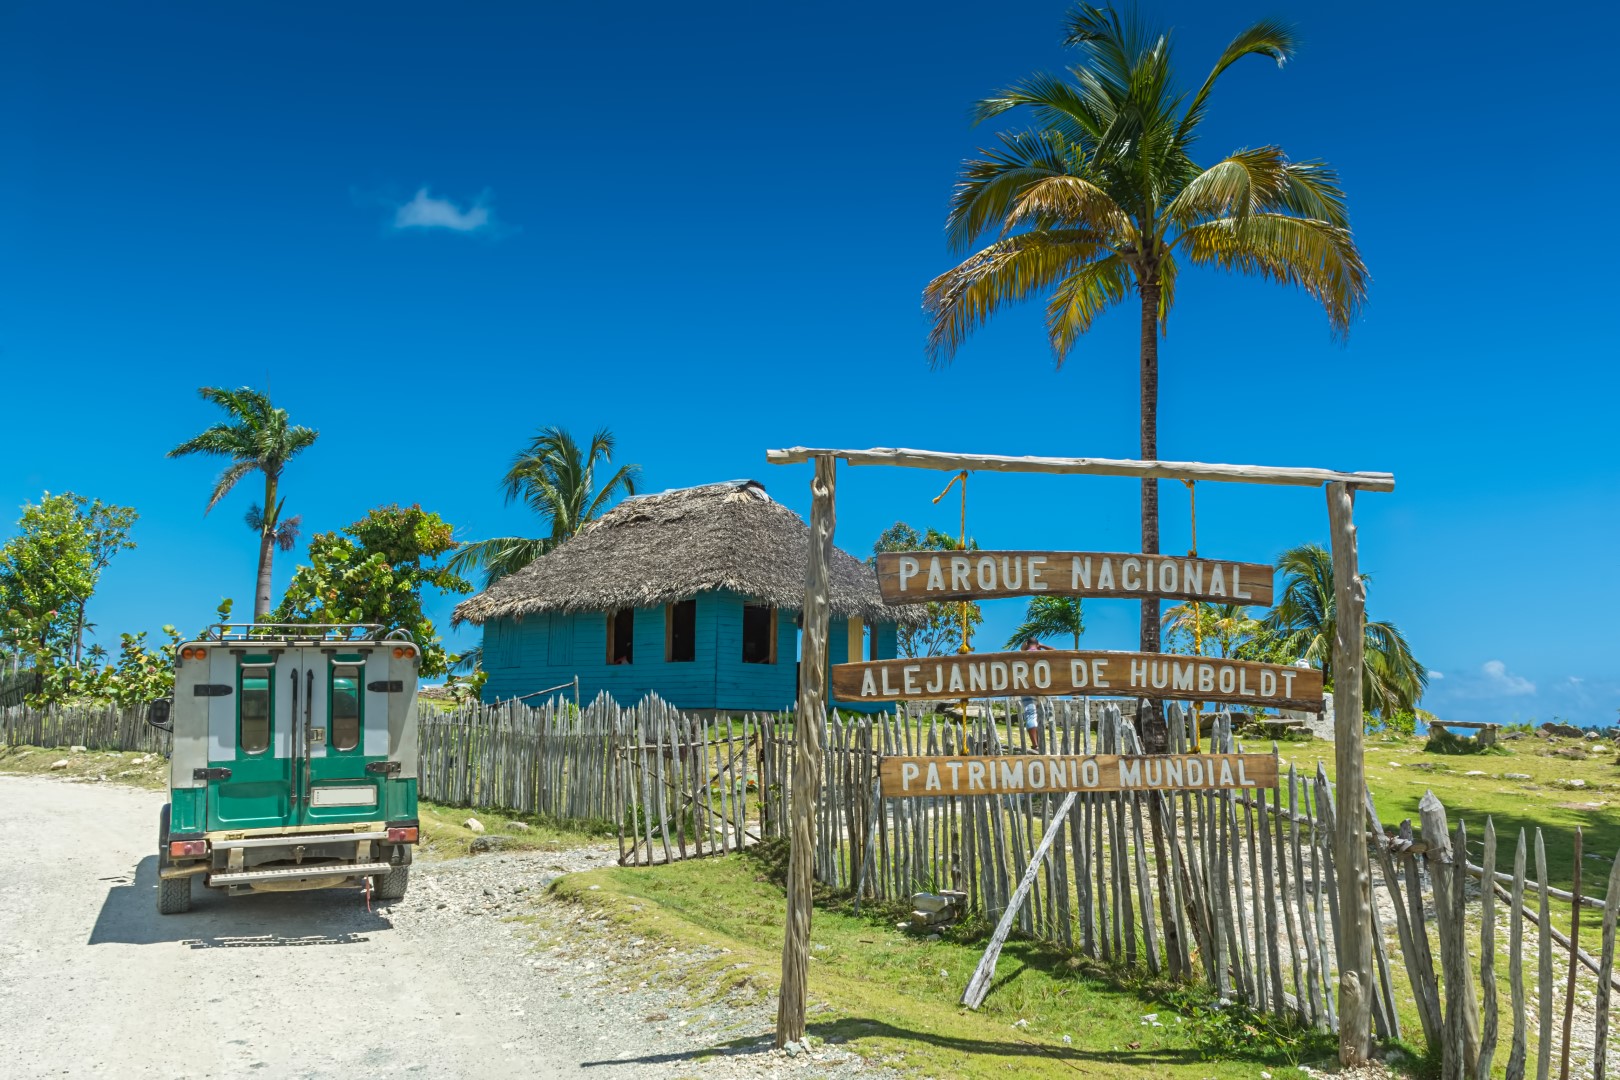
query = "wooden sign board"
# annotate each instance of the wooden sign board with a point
(1100, 674)
(912, 577)
(921, 777)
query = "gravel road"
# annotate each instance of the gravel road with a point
(94, 982)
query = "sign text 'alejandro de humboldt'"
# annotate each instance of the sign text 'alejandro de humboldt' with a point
(904, 777)
(912, 577)
(1100, 674)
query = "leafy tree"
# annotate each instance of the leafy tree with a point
(557, 480)
(940, 631)
(1196, 627)
(47, 572)
(1302, 624)
(142, 674)
(257, 437)
(1104, 198)
(108, 527)
(1048, 617)
(374, 571)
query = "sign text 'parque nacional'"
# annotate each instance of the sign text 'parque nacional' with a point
(1028, 774)
(1100, 674)
(912, 577)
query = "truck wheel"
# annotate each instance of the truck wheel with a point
(174, 895)
(391, 886)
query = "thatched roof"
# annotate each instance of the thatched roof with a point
(657, 549)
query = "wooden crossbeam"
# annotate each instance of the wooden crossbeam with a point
(1147, 470)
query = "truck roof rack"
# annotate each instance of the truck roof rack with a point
(253, 631)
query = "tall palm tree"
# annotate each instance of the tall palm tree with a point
(556, 479)
(1104, 198)
(1305, 620)
(256, 438)
(1049, 616)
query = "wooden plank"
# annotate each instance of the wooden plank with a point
(1600, 1009)
(1516, 1000)
(979, 985)
(1461, 1017)
(1545, 971)
(1574, 946)
(1487, 958)
(1066, 672)
(1147, 470)
(915, 577)
(1349, 842)
(1016, 774)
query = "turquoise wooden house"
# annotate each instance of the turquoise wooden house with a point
(693, 595)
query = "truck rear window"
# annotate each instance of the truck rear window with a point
(253, 710)
(345, 706)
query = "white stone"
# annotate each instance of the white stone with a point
(474, 824)
(62, 764)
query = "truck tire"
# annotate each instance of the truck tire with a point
(174, 894)
(391, 886)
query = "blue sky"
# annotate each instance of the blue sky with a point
(431, 229)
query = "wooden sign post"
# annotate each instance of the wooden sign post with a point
(1041, 774)
(911, 577)
(1098, 674)
(914, 577)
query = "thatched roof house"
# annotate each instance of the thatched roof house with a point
(726, 564)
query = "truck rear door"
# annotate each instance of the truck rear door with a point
(346, 731)
(250, 724)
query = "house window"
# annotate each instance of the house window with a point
(680, 632)
(501, 644)
(759, 634)
(621, 636)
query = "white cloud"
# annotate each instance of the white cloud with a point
(426, 212)
(1502, 681)
(1437, 674)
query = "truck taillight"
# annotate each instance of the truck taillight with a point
(402, 836)
(183, 849)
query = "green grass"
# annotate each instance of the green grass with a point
(117, 766)
(1399, 771)
(887, 992)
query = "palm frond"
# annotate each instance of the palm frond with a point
(497, 557)
(1313, 255)
(1268, 37)
(1245, 182)
(1009, 270)
(228, 480)
(1081, 297)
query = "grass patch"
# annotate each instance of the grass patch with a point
(445, 834)
(149, 771)
(889, 993)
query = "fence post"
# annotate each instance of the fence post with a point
(1446, 871)
(1350, 840)
(807, 758)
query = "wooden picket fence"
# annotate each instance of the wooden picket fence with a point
(94, 727)
(1236, 889)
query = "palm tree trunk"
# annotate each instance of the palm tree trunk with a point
(267, 550)
(1151, 723)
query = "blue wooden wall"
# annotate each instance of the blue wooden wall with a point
(542, 651)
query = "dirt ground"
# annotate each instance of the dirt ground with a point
(94, 982)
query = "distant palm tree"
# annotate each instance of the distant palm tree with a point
(1226, 625)
(558, 481)
(1305, 620)
(96, 654)
(257, 438)
(1104, 199)
(286, 532)
(1047, 617)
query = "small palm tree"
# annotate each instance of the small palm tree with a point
(256, 438)
(96, 654)
(1048, 617)
(1104, 199)
(1224, 625)
(1305, 620)
(557, 480)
